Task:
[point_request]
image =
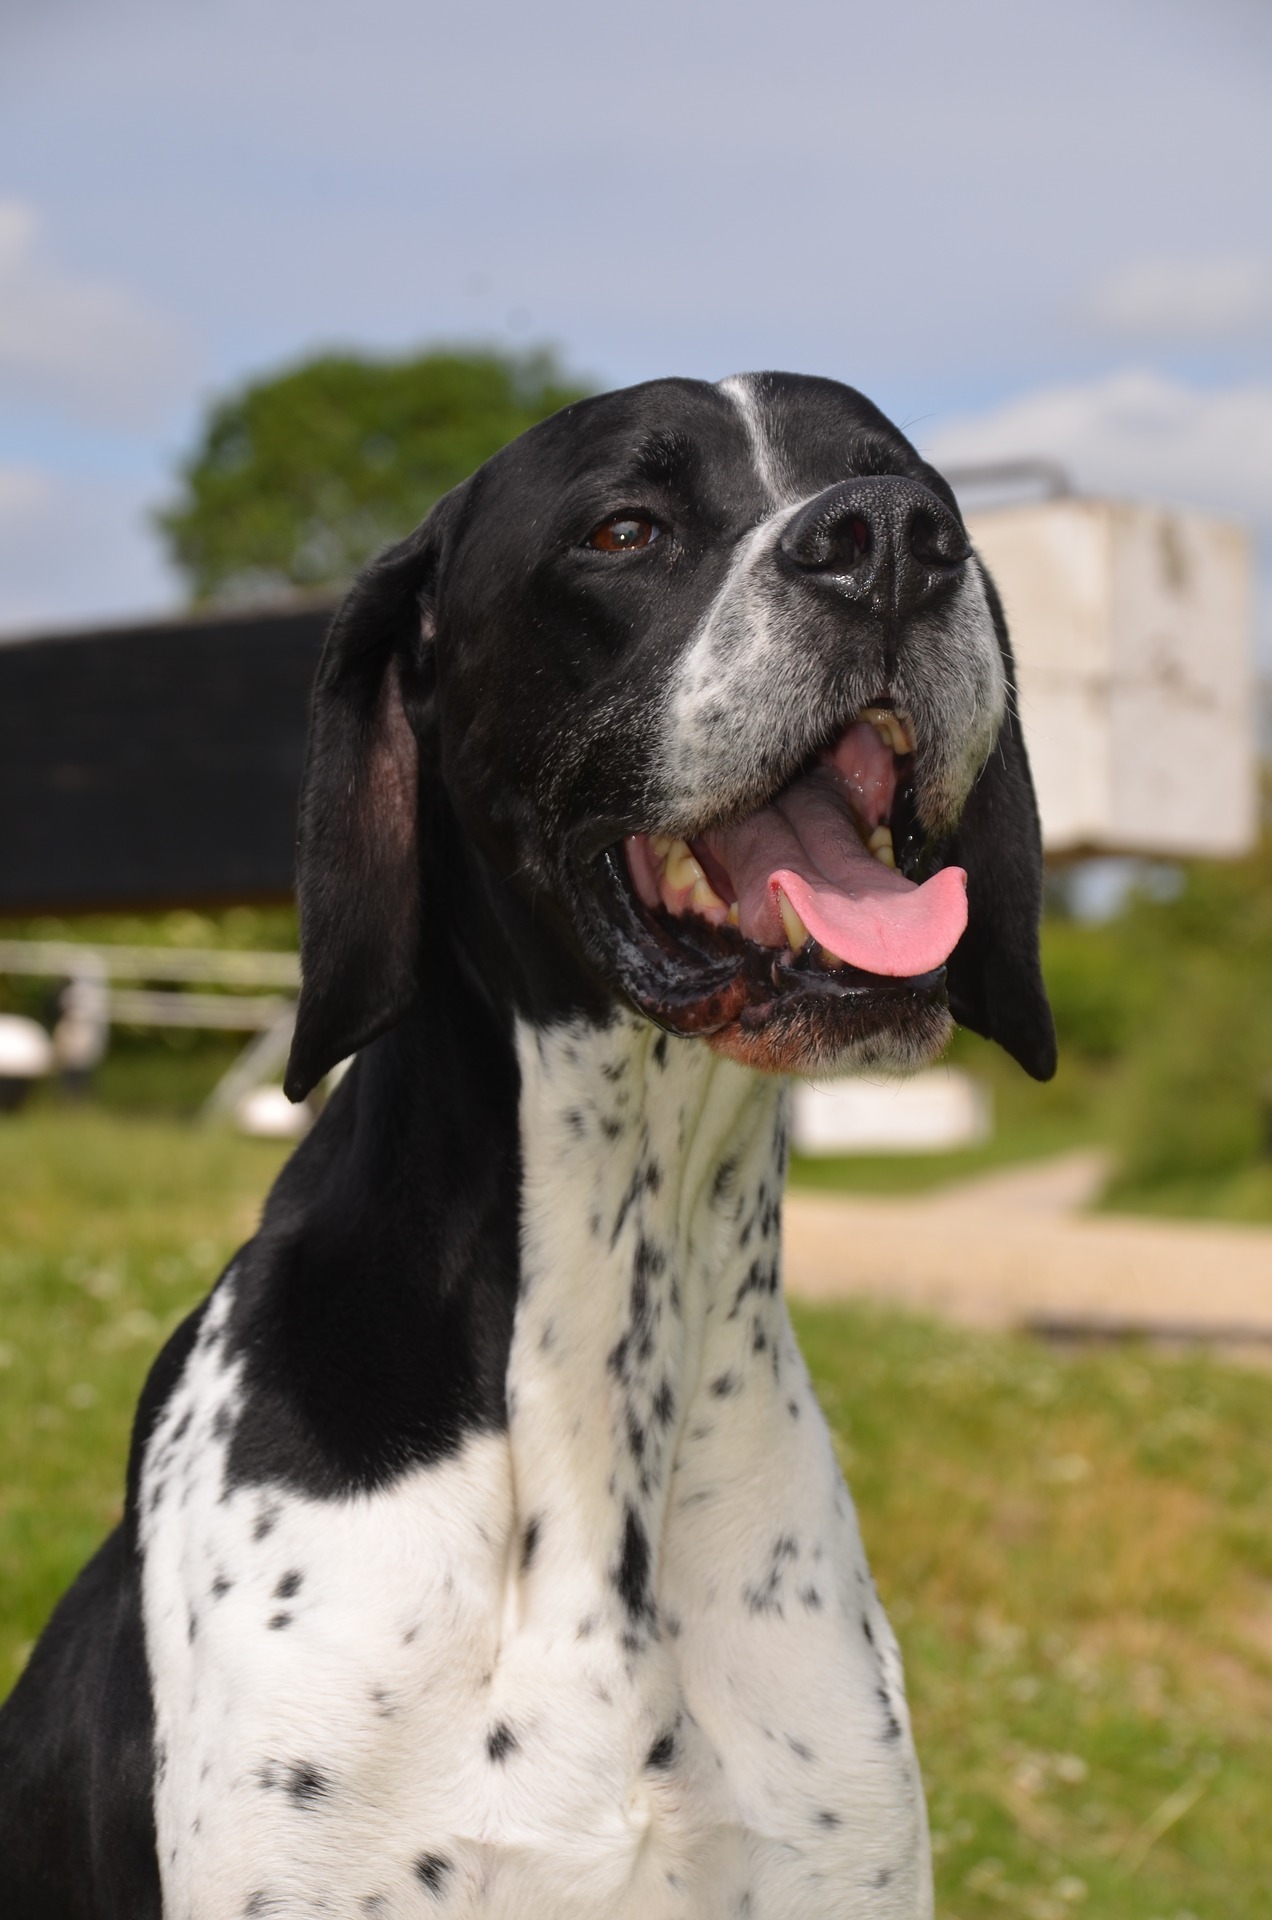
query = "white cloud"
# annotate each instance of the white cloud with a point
(1138, 434)
(87, 347)
(75, 551)
(1183, 299)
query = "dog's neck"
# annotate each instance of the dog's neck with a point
(649, 1298)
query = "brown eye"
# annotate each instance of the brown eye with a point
(624, 533)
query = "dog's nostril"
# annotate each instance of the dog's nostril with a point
(936, 542)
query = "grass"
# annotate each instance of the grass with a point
(1076, 1550)
(110, 1229)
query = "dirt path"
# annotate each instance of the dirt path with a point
(1011, 1249)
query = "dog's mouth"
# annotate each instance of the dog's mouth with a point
(811, 928)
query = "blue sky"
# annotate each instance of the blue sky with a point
(1019, 227)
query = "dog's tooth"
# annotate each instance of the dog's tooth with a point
(894, 731)
(881, 720)
(733, 917)
(880, 845)
(825, 958)
(660, 845)
(682, 869)
(796, 932)
(705, 898)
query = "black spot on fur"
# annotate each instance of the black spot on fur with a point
(660, 1050)
(632, 1578)
(574, 1121)
(431, 1870)
(766, 1594)
(867, 1629)
(810, 1598)
(664, 1404)
(646, 1179)
(891, 1725)
(725, 1384)
(501, 1741)
(288, 1586)
(798, 1748)
(611, 1128)
(183, 1425)
(529, 1545)
(278, 1621)
(826, 1818)
(220, 1587)
(221, 1423)
(663, 1752)
(761, 1280)
(306, 1786)
(723, 1180)
(265, 1524)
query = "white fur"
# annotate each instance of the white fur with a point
(767, 460)
(653, 1382)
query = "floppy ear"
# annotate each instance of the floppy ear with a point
(994, 973)
(357, 867)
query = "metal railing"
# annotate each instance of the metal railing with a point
(93, 968)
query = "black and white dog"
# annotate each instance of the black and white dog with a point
(485, 1552)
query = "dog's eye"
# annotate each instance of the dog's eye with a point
(624, 532)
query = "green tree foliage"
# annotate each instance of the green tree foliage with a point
(298, 478)
(1172, 1002)
(1198, 1092)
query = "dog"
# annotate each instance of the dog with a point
(485, 1553)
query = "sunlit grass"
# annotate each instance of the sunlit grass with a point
(1077, 1551)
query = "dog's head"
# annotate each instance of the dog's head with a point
(692, 696)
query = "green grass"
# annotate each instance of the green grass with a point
(1077, 1554)
(110, 1230)
(1076, 1550)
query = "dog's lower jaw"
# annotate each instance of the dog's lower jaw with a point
(682, 1518)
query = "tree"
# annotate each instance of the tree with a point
(298, 478)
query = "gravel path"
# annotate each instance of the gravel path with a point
(1011, 1249)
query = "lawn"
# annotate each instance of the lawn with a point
(1076, 1550)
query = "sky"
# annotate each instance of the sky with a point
(1021, 228)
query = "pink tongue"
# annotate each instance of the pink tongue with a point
(867, 914)
(880, 931)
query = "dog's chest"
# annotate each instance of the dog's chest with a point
(624, 1660)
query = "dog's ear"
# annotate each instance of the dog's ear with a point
(358, 859)
(995, 974)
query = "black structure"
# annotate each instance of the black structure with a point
(157, 765)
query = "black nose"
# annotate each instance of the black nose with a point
(887, 542)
